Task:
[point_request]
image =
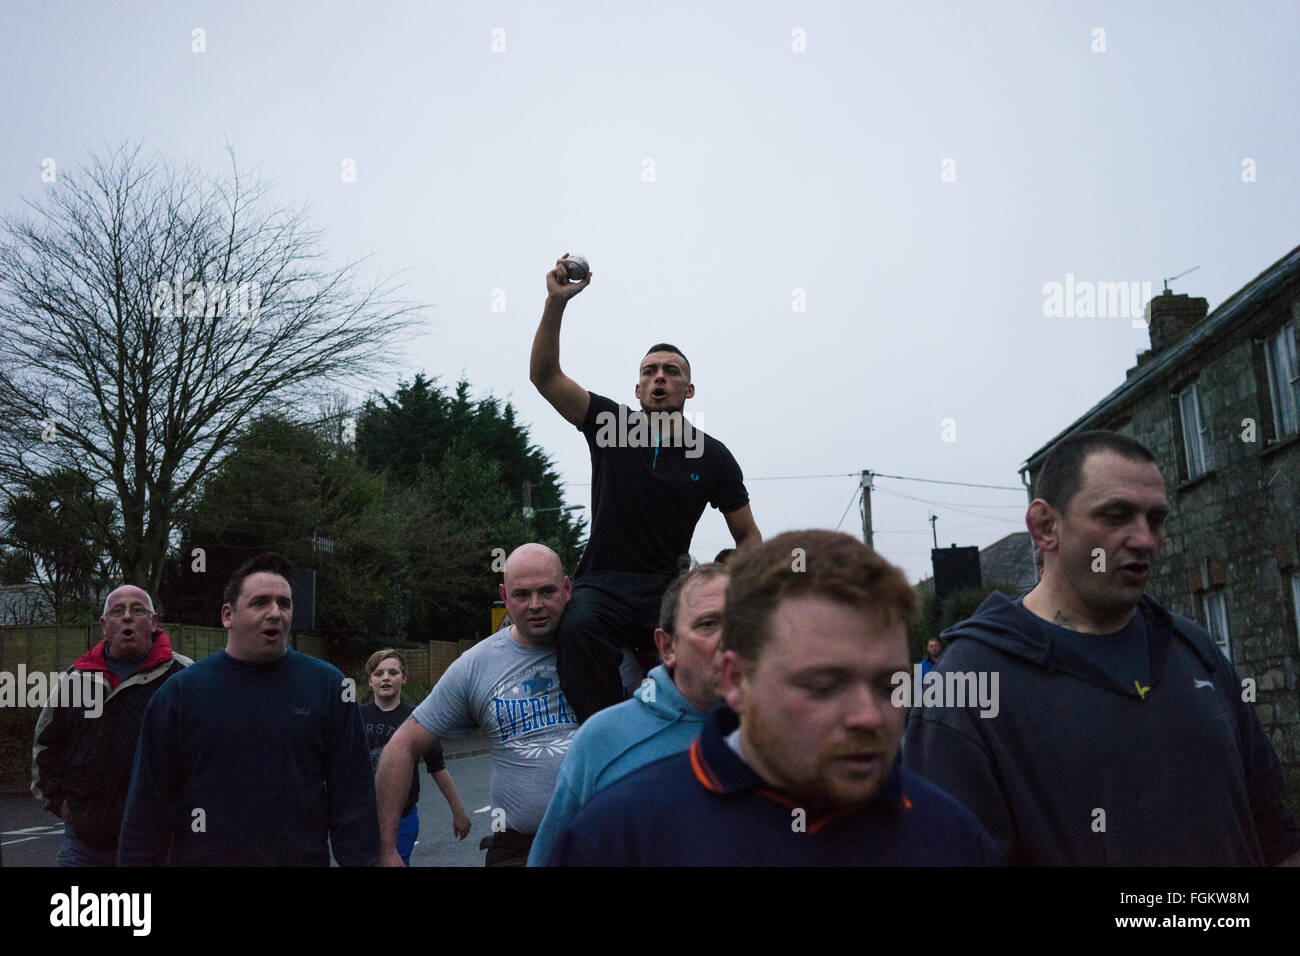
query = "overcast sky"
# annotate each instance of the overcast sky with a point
(844, 213)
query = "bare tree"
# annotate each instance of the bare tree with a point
(147, 312)
(24, 604)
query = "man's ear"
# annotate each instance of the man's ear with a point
(1043, 522)
(664, 642)
(735, 683)
(690, 390)
(227, 615)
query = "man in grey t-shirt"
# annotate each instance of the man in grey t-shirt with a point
(507, 685)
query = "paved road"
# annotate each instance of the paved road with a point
(437, 845)
(32, 837)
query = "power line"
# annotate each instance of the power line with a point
(352, 413)
(973, 514)
(964, 527)
(846, 508)
(850, 474)
(964, 504)
(855, 474)
(936, 481)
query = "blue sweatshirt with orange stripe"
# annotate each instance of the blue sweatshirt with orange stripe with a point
(655, 722)
(706, 807)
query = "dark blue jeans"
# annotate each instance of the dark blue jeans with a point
(407, 830)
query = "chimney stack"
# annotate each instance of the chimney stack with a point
(1170, 317)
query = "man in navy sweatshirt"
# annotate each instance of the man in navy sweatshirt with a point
(258, 756)
(799, 766)
(1121, 737)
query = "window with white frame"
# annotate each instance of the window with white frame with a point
(1196, 440)
(1283, 380)
(1215, 608)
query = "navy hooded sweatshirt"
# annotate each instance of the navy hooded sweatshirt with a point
(1132, 749)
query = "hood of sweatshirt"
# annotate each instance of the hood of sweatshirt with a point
(666, 702)
(1000, 622)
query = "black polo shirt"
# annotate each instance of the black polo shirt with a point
(647, 499)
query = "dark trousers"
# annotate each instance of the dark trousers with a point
(609, 610)
(507, 848)
(75, 853)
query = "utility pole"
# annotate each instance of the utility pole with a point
(528, 499)
(933, 532)
(866, 510)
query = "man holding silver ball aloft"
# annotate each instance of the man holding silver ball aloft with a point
(652, 474)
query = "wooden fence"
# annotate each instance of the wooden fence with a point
(426, 665)
(53, 647)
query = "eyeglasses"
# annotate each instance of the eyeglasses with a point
(135, 610)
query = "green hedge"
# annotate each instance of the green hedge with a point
(17, 725)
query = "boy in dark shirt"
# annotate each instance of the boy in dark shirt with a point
(382, 717)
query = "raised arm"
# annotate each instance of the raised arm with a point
(565, 395)
(742, 527)
(393, 782)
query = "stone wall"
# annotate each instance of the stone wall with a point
(1236, 528)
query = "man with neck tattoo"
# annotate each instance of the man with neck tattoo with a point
(83, 756)
(1121, 737)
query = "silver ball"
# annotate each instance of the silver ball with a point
(577, 268)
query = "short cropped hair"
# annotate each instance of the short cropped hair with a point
(378, 657)
(147, 598)
(666, 347)
(1061, 476)
(267, 561)
(801, 564)
(673, 596)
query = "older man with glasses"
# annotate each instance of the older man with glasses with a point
(82, 758)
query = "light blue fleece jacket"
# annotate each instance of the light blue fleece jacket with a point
(656, 722)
